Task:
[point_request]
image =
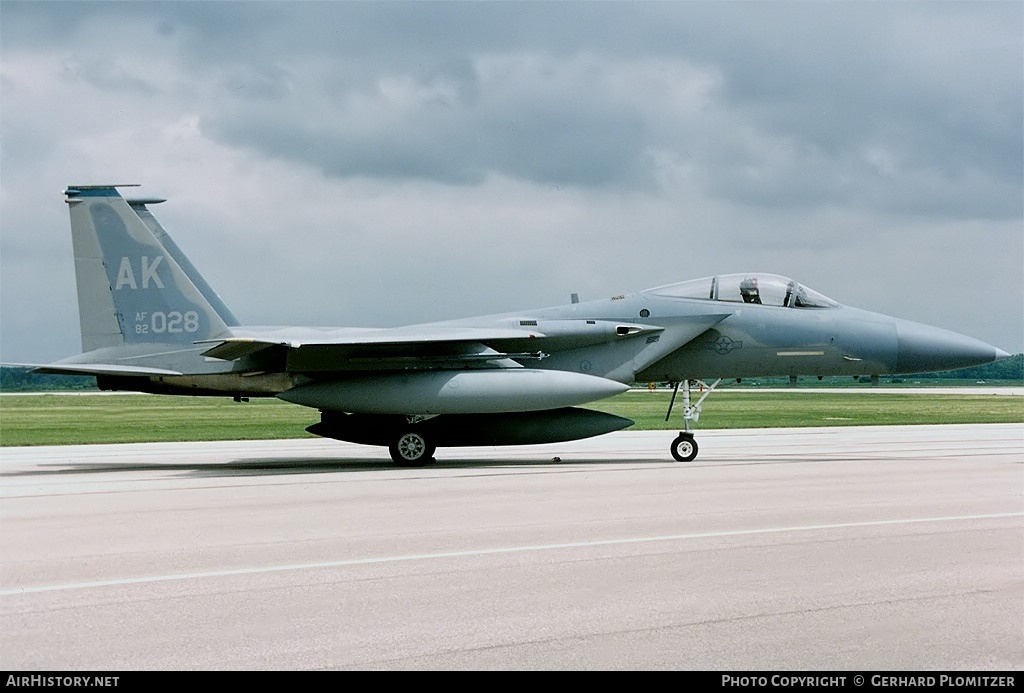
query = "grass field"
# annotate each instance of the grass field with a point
(55, 419)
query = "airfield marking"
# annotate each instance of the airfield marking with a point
(487, 552)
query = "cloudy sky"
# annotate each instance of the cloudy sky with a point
(382, 163)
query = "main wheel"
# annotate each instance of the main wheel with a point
(684, 448)
(411, 449)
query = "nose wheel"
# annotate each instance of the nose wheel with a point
(684, 447)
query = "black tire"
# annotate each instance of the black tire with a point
(684, 448)
(411, 449)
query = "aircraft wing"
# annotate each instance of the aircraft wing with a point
(248, 341)
(432, 346)
(311, 349)
(60, 368)
(436, 346)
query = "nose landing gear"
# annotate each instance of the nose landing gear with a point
(684, 447)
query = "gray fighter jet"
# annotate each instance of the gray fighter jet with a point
(151, 323)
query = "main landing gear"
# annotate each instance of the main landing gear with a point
(684, 447)
(412, 449)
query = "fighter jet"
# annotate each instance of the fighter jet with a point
(151, 323)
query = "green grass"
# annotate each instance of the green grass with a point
(76, 419)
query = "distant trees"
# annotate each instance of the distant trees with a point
(1007, 369)
(22, 380)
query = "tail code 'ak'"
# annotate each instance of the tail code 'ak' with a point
(144, 308)
(133, 288)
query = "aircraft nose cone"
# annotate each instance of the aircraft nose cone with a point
(924, 349)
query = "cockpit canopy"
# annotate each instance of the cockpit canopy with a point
(761, 289)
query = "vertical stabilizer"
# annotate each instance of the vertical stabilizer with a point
(211, 296)
(133, 285)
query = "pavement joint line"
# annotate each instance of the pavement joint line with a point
(493, 551)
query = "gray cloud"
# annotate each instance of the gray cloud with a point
(524, 150)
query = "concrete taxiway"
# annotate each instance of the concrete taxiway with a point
(888, 548)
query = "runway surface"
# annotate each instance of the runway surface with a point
(891, 548)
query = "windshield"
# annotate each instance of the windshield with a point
(759, 289)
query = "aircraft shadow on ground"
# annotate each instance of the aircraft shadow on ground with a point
(281, 466)
(273, 466)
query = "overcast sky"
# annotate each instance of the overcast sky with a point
(337, 163)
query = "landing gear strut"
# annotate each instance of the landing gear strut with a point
(684, 447)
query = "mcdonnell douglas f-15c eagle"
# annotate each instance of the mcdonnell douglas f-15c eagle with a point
(151, 323)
